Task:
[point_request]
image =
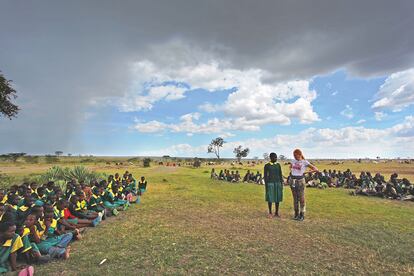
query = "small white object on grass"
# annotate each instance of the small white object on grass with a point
(104, 260)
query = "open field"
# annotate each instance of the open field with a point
(190, 224)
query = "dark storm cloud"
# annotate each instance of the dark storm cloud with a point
(63, 54)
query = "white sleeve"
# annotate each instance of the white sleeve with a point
(306, 163)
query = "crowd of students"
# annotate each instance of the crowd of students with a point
(365, 184)
(38, 223)
(234, 176)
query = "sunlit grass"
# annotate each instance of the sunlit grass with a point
(187, 223)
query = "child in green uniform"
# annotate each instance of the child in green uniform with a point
(10, 243)
(273, 184)
(142, 185)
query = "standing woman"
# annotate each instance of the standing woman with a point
(273, 184)
(297, 182)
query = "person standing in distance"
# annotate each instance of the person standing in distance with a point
(273, 184)
(297, 182)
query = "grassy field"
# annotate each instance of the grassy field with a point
(188, 224)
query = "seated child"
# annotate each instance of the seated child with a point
(11, 244)
(45, 240)
(72, 213)
(142, 185)
(96, 203)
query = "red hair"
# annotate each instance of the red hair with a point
(298, 152)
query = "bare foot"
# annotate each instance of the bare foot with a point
(67, 253)
(270, 216)
(78, 236)
(277, 216)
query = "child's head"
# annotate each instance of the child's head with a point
(2, 194)
(41, 191)
(50, 185)
(298, 155)
(74, 199)
(273, 157)
(7, 229)
(62, 204)
(48, 216)
(13, 189)
(13, 199)
(142, 178)
(37, 211)
(52, 198)
(28, 201)
(115, 189)
(31, 220)
(81, 195)
(33, 186)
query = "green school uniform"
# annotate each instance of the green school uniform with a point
(7, 248)
(142, 186)
(95, 203)
(27, 245)
(274, 182)
(110, 201)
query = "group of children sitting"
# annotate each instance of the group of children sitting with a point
(37, 223)
(234, 176)
(366, 184)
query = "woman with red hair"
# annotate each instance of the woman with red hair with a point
(297, 182)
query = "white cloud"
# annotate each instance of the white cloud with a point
(361, 121)
(397, 92)
(380, 115)
(142, 98)
(348, 112)
(189, 125)
(348, 142)
(150, 127)
(335, 93)
(252, 101)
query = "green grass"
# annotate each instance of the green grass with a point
(189, 224)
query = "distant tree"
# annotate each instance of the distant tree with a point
(215, 146)
(146, 162)
(265, 156)
(15, 155)
(7, 94)
(50, 159)
(197, 163)
(240, 152)
(282, 157)
(69, 154)
(58, 153)
(31, 159)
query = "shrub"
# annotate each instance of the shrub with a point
(146, 162)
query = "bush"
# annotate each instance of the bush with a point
(147, 162)
(62, 175)
(197, 163)
(6, 180)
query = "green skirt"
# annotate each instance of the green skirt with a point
(274, 192)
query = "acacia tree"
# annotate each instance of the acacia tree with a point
(58, 153)
(240, 152)
(215, 146)
(7, 93)
(265, 156)
(282, 157)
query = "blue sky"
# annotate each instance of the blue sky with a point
(334, 78)
(336, 92)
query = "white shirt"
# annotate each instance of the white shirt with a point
(299, 167)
